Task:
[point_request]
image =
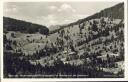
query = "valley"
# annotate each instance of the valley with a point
(92, 48)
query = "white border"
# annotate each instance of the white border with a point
(62, 79)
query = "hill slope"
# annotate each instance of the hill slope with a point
(11, 24)
(115, 12)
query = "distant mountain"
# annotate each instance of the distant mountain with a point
(53, 27)
(11, 24)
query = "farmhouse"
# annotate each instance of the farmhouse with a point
(110, 55)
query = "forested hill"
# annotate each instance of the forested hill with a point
(11, 24)
(115, 12)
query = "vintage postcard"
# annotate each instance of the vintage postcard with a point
(62, 39)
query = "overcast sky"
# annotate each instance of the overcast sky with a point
(53, 13)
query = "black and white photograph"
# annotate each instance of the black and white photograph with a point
(64, 39)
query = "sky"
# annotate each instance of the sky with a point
(53, 13)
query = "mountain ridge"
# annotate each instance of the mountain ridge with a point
(102, 13)
(117, 12)
(12, 24)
